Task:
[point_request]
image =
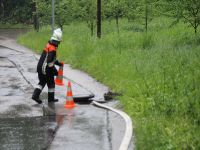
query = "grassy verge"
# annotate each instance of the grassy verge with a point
(158, 74)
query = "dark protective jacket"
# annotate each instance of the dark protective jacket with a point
(48, 59)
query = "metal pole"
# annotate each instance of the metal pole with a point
(53, 15)
(99, 18)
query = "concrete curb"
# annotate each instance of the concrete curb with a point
(129, 128)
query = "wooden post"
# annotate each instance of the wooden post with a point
(99, 18)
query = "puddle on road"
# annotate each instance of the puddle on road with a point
(27, 133)
(16, 111)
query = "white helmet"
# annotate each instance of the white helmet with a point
(57, 35)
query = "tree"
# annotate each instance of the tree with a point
(64, 12)
(43, 11)
(22, 12)
(142, 10)
(131, 6)
(2, 8)
(15, 11)
(186, 10)
(191, 12)
(87, 12)
(35, 16)
(115, 9)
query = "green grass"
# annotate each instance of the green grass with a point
(158, 74)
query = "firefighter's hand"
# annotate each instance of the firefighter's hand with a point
(59, 63)
(62, 63)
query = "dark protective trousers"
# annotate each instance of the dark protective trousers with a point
(46, 79)
(43, 80)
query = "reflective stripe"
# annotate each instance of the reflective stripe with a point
(51, 90)
(44, 65)
(70, 98)
(51, 64)
(39, 87)
(44, 68)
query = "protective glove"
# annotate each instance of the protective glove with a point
(59, 63)
(62, 63)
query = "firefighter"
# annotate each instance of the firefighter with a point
(46, 69)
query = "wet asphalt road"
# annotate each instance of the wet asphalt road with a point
(27, 125)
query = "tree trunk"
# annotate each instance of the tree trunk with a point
(196, 26)
(2, 9)
(117, 23)
(195, 29)
(92, 28)
(146, 15)
(60, 23)
(35, 18)
(36, 22)
(99, 18)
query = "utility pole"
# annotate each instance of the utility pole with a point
(99, 18)
(53, 15)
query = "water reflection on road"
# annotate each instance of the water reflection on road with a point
(31, 132)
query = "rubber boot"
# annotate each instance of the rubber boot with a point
(51, 97)
(36, 95)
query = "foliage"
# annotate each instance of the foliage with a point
(88, 8)
(43, 11)
(15, 11)
(64, 11)
(186, 10)
(115, 9)
(38, 12)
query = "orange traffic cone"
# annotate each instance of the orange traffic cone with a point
(69, 97)
(59, 78)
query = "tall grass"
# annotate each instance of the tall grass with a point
(158, 74)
